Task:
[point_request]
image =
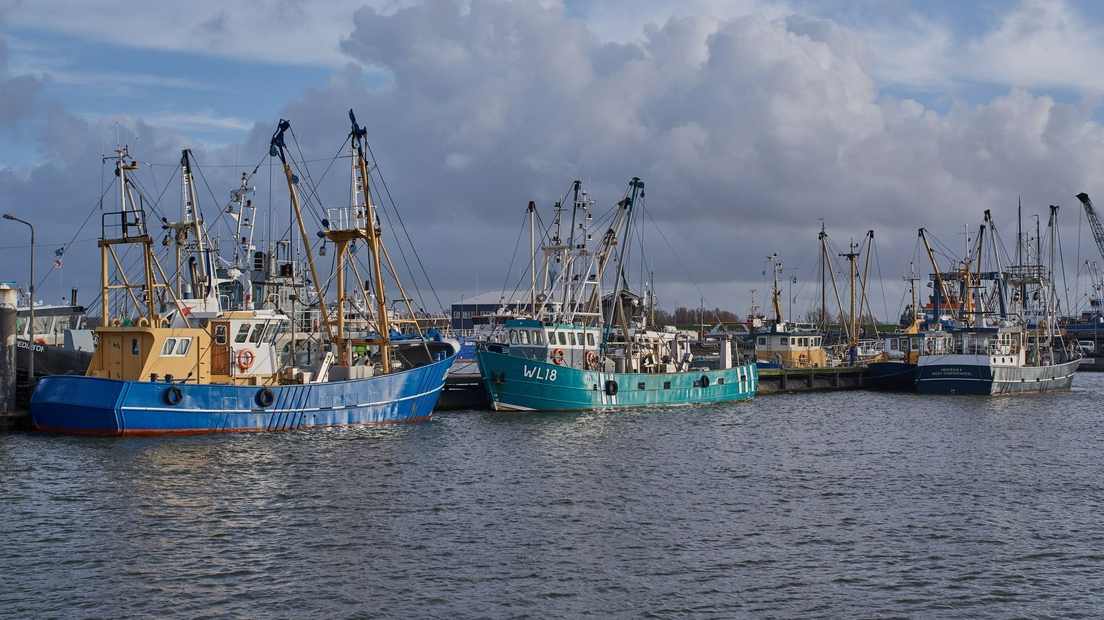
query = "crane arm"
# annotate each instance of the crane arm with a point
(1094, 221)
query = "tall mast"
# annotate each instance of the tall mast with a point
(367, 228)
(625, 218)
(939, 283)
(532, 209)
(823, 278)
(278, 147)
(851, 256)
(128, 226)
(863, 300)
(776, 294)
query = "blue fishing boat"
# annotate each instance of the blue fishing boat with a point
(187, 365)
(583, 347)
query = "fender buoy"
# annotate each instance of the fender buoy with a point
(704, 381)
(611, 387)
(591, 359)
(173, 396)
(558, 357)
(265, 397)
(245, 359)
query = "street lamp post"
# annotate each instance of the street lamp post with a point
(30, 331)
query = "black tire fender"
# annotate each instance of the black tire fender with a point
(265, 397)
(174, 395)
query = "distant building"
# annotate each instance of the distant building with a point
(486, 304)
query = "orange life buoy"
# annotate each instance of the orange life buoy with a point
(558, 357)
(801, 358)
(245, 359)
(591, 358)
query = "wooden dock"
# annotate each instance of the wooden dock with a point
(812, 379)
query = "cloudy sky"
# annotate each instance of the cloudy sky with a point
(752, 123)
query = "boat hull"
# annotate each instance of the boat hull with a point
(892, 376)
(964, 374)
(516, 383)
(110, 407)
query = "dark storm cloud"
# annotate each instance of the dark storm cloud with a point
(749, 133)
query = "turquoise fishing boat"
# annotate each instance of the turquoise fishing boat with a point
(586, 347)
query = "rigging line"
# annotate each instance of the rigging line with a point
(387, 213)
(513, 257)
(222, 212)
(383, 182)
(73, 239)
(312, 197)
(677, 259)
(1061, 261)
(545, 238)
(136, 183)
(878, 267)
(197, 210)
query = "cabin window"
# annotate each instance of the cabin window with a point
(590, 339)
(538, 337)
(243, 333)
(784, 340)
(134, 346)
(183, 345)
(804, 342)
(563, 338)
(513, 336)
(170, 345)
(258, 329)
(271, 331)
(571, 338)
(524, 334)
(893, 344)
(816, 341)
(220, 334)
(762, 341)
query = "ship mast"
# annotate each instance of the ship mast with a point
(124, 227)
(939, 283)
(851, 256)
(278, 148)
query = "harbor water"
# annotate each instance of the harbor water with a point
(818, 505)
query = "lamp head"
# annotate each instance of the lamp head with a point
(9, 216)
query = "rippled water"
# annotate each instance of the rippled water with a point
(830, 505)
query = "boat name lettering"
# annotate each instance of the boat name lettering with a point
(952, 372)
(23, 344)
(542, 374)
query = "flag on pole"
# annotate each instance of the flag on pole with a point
(58, 252)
